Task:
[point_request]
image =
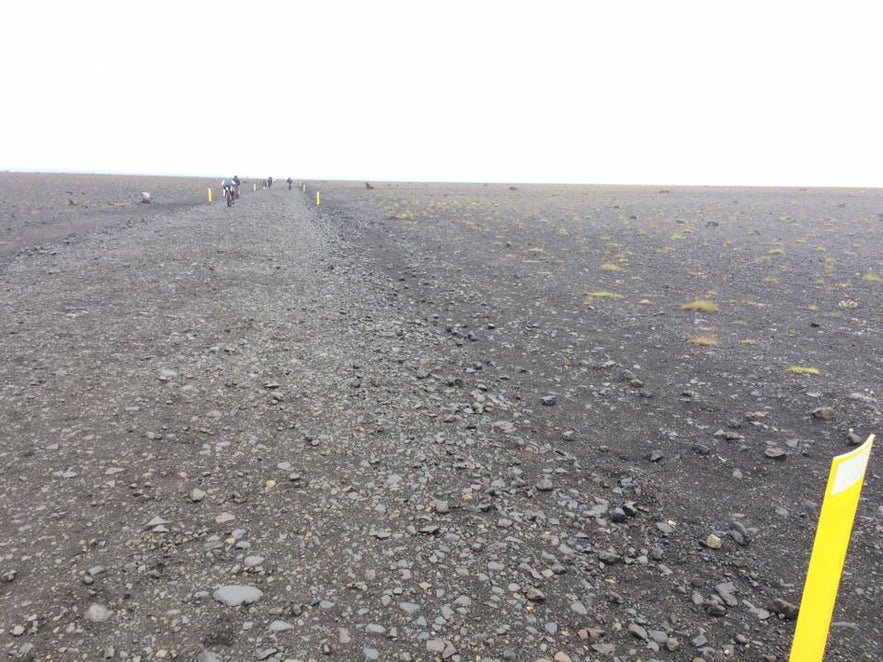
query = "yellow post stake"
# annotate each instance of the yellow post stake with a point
(318, 199)
(829, 553)
(305, 188)
(209, 195)
(254, 188)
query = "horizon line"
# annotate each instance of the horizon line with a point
(659, 184)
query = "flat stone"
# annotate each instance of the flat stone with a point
(665, 528)
(639, 631)
(739, 533)
(699, 641)
(234, 595)
(784, 608)
(167, 374)
(409, 608)
(535, 595)
(280, 626)
(253, 561)
(98, 613)
(435, 645)
(579, 608)
(854, 439)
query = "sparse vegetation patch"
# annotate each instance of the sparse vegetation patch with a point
(704, 340)
(803, 370)
(701, 306)
(591, 297)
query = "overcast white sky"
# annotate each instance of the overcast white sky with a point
(696, 92)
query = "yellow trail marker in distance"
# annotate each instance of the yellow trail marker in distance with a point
(209, 195)
(305, 188)
(828, 553)
(318, 199)
(254, 188)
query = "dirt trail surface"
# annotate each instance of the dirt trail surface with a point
(430, 422)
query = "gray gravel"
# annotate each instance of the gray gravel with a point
(229, 435)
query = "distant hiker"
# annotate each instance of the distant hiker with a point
(269, 182)
(290, 182)
(228, 184)
(236, 183)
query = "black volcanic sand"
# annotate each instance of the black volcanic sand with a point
(430, 422)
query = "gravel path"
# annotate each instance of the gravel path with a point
(220, 406)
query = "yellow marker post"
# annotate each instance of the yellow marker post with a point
(254, 188)
(209, 195)
(305, 188)
(828, 553)
(318, 199)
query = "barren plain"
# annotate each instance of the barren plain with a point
(431, 421)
